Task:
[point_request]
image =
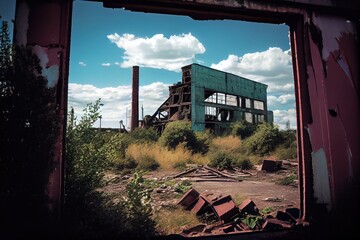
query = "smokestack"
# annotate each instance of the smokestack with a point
(135, 99)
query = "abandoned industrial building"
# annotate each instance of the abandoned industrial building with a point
(212, 99)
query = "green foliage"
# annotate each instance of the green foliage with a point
(90, 213)
(103, 218)
(243, 129)
(29, 129)
(222, 160)
(243, 164)
(5, 46)
(178, 132)
(85, 160)
(203, 141)
(183, 186)
(253, 222)
(138, 209)
(288, 138)
(283, 152)
(267, 210)
(147, 162)
(287, 180)
(264, 140)
(143, 135)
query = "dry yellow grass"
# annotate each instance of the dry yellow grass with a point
(172, 219)
(167, 159)
(227, 143)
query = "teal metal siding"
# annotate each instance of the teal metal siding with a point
(212, 79)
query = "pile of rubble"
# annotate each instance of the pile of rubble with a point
(228, 218)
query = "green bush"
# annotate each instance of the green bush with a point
(84, 161)
(222, 160)
(244, 164)
(264, 140)
(147, 162)
(143, 135)
(178, 132)
(282, 152)
(243, 129)
(203, 141)
(88, 213)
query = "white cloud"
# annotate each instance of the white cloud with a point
(281, 117)
(82, 64)
(158, 51)
(117, 101)
(272, 67)
(105, 64)
(284, 100)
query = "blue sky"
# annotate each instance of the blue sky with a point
(106, 43)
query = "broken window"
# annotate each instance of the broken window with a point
(231, 100)
(258, 105)
(247, 103)
(249, 117)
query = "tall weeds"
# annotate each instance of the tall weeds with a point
(167, 159)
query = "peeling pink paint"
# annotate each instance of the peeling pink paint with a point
(334, 98)
(332, 29)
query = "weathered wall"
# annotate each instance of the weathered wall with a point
(45, 26)
(205, 78)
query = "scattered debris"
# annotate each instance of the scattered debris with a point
(205, 173)
(271, 165)
(230, 218)
(272, 199)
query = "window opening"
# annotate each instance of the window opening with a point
(219, 108)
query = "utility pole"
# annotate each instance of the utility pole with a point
(126, 116)
(100, 117)
(142, 111)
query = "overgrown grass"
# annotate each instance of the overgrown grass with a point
(167, 159)
(226, 143)
(172, 218)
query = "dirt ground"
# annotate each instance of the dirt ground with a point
(259, 186)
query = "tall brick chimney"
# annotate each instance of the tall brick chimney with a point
(135, 99)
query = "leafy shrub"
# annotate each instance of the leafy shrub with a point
(100, 217)
(283, 152)
(221, 160)
(264, 140)
(243, 129)
(253, 222)
(203, 141)
(143, 135)
(178, 132)
(244, 164)
(88, 213)
(84, 162)
(138, 208)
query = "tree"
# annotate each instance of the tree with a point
(28, 126)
